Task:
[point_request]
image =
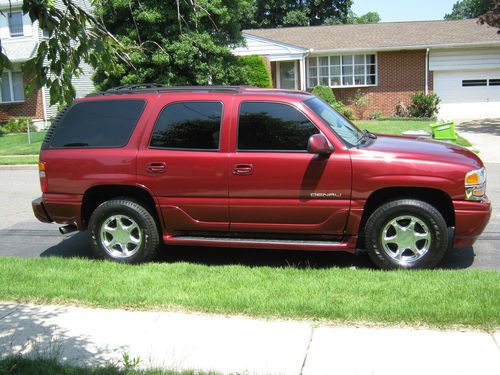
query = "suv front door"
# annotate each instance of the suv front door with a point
(275, 185)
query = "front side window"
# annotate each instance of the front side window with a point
(265, 126)
(16, 24)
(348, 132)
(188, 126)
(342, 70)
(12, 88)
(98, 124)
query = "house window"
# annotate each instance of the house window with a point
(474, 82)
(494, 82)
(343, 70)
(16, 24)
(11, 87)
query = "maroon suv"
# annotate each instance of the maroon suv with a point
(247, 167)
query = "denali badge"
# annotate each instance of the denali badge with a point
(326, 195)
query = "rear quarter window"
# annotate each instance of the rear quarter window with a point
(97, 124)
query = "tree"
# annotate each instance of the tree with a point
(370, 17)
(492, 18)
(75, 36)
(279, 13)
(177, 43)
(469, 9)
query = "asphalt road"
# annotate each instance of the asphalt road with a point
(22, 235)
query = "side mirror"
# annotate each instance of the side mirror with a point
(318, 144)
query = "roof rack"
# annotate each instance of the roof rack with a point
(158, 88)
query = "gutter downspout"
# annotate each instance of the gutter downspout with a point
(427, 71)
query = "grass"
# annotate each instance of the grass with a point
(17, 144)
(12, 160)
(17, 365)
(398, 127)
(437, 298)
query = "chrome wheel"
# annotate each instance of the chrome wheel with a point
(406, 239)
(121, 236)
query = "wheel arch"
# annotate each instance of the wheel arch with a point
(96, 195)
(435, 197)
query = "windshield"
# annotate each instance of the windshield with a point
(349, 133)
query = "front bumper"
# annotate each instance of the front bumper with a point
(40, 211)
(470, 220)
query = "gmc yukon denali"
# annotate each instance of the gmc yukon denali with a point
(138, 166)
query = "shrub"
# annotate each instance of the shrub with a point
(424, 105)
(326, 93)
(19, 125)
(360, 101)
(255, 71)
(376, 116)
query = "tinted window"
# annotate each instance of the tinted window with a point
(103, 123)
(188, 125)
(273, 127)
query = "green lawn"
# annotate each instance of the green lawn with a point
(11, 160)
(398, 127)
(440, 298)
(17, 144)
(17, 365)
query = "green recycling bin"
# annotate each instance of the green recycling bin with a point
(444, 130)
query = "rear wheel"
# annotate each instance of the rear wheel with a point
(124, 231)
(407, 234)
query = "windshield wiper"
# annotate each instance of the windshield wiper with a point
(365, 137)
(76, 144)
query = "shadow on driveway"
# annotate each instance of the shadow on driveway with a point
(77, 246)
(486, 126)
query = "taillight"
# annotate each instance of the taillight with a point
(42, 172)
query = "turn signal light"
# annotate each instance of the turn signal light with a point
(43, 176)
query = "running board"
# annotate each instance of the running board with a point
(284, 244)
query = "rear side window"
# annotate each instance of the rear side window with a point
(103, 123)
(188, 126)
(273, 127)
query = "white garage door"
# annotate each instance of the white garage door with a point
(468, 94)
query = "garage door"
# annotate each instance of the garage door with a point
(468, 94)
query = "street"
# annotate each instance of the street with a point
(22, 235)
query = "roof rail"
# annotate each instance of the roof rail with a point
(158, 88)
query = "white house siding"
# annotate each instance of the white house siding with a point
(83, 84)
(275, 50)
(451, 67)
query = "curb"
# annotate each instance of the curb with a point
(19, 167)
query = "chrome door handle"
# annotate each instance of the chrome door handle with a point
(243, 169)
(158, 167)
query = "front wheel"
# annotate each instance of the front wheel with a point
(406, 233)
(124, 231)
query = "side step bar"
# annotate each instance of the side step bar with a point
(287, 244)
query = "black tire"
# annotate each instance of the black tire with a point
(434, 228)
(139, 217)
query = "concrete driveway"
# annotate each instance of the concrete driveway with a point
(22, 235)
(485, 136)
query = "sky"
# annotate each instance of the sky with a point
(405, 10)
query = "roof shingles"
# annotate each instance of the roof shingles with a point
(382, 35)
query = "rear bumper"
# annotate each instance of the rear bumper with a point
(59, 208)
(470, 220)
(40, 211)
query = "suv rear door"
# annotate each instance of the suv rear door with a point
(183, 161)
(275, 185)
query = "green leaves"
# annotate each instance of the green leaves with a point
(75, 37)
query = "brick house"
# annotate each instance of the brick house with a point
(458, 60)
(19, 39)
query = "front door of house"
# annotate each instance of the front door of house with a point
(287, 75)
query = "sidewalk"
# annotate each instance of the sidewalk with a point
(181, 341)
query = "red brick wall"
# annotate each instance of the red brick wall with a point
(31, 107)
(400, 74)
